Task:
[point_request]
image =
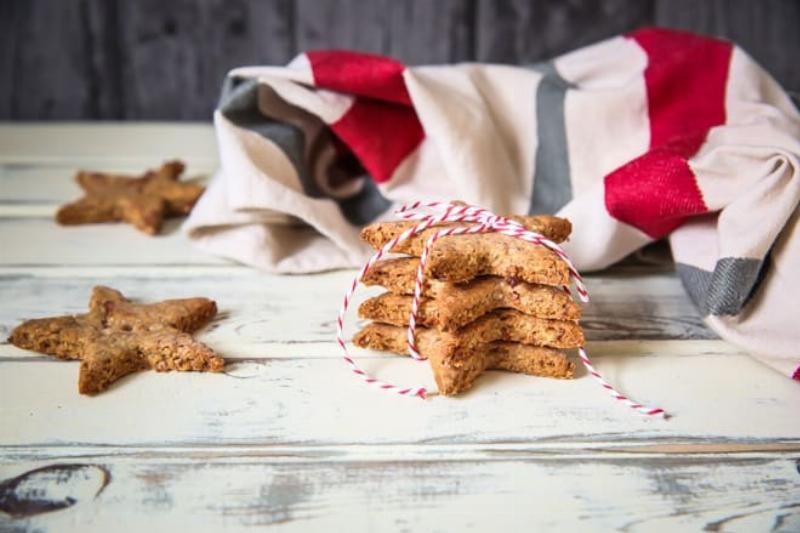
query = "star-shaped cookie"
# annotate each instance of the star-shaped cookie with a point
(142, 201)
(460, 258)
(117, 337)
(455, 372)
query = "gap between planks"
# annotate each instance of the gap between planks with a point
(345, 453)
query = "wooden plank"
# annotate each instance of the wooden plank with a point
(524, 31)
(140, 59)
(262, 313)
(100, 36)
(342, 24)
(767, 30)
(413, 31)
(96, 146)
(33, 241)
(285, 401)
(36, 191)
(201, 493)
(419, 451)
(9, 14)
(177, 53)
(49, 64)
(63, 60)
(423, 32)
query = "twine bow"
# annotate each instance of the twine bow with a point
(429, 214)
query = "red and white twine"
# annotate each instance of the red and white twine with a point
(429, 214)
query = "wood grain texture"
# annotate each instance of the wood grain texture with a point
(193, 491)
(9, 15)
(146, 59)
(767, 29)
(525, 31)
(414, 31)
(176, 54)
(50, 488)
(58, 59)
(301, 400)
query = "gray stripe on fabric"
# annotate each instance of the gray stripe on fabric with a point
(727, 289)
(695, 281)
(239, 104)
(552, 188)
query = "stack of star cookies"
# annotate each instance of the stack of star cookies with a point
(489, 302)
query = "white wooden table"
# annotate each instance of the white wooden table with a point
(287, 438)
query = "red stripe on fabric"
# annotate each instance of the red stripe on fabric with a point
(796, 374)
(380, 135)
(654, 193)
(381, 127)
(686, 76)
(360, 74)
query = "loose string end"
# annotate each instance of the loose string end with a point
(638, 407)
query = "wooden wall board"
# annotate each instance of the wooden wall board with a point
(524, 32)
(765, 30)
(148, 59)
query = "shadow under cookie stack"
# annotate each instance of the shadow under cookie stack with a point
(489, 302)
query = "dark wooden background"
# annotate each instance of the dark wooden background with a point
(159, 59)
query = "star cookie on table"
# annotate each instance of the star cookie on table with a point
(117, 337)
(142, 201)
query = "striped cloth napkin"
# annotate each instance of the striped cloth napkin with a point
(652, 134)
